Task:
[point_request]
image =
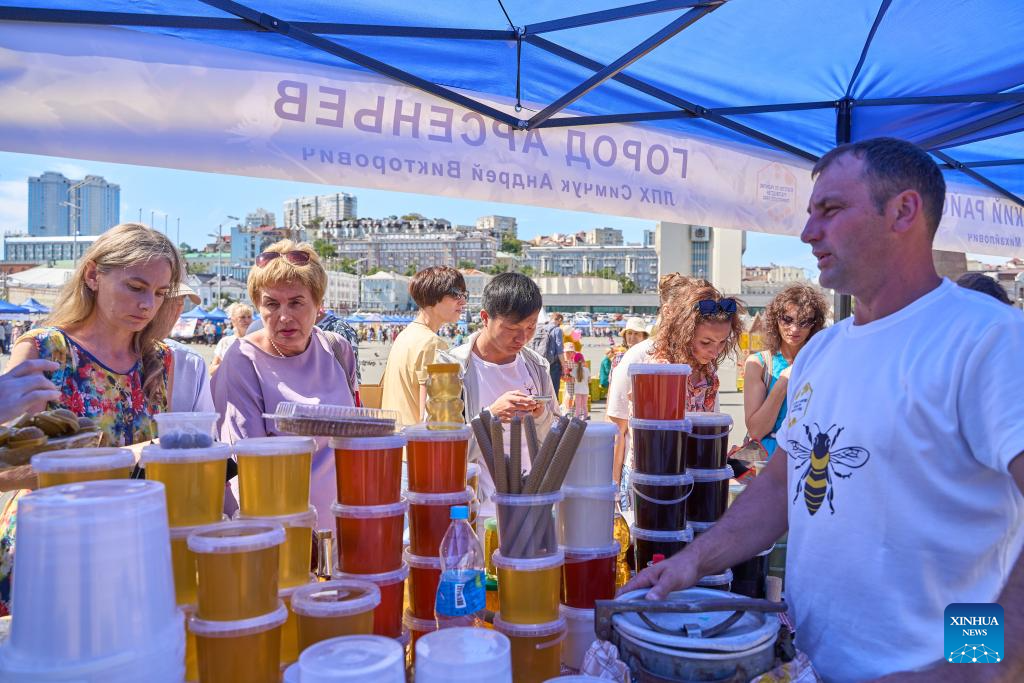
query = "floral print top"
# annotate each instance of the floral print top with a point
(113, 400)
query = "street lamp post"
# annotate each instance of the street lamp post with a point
(220, 258)
(76, 215)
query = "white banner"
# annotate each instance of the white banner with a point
(117, 95)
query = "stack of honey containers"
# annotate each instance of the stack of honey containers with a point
(585, 534)
(706, 452)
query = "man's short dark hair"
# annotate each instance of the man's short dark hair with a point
(512, 296)
(430, 285)
(892, 166)
(985, 284)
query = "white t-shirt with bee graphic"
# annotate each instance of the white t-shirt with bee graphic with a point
(899, 436)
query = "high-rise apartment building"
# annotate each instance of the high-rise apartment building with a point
(714, 254)
(303, 213)
(604, 237)
(260, 218)
(60, 206)
(498, 225)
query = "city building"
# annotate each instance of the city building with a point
(636, 262)
(60, 206)
(260, 218)
(385, 291)
(328, 210)
(715, 254)
(498, 225)
(342, 293)
(604, 237)
(363, 228)
(208, 288)
(246, 243)
(43, 250)
(412, 252)
(774, 273)
(577, 285)
(510, 262)
(476, 280)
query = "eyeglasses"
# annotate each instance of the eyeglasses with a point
(458, 294)
(789, 321)
(298, 258)
(709, 307)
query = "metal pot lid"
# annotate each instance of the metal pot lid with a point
(752, 629)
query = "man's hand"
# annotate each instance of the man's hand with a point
(25, 389)
(513, 403)
(676, 573)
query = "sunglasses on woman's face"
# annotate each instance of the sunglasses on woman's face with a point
(298, 258)
(789, 321)
(709, 307)
(459, 294)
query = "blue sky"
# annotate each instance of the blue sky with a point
(202, 200)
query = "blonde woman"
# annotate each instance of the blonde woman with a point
(241, 318)
(104, 337)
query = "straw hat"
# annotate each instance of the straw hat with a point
(185, 290)
(635, 325)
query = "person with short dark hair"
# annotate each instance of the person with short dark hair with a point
(898, 473)
(441, 294)
(500, 370)
(985, 284)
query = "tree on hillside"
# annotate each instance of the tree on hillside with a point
(465, 264)
(324, 249)
(185, 248)
(511, 245)
(412, 270)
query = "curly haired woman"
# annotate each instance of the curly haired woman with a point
(795, 315)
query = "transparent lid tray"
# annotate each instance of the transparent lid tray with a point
(330, 420)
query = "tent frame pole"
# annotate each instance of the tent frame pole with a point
(843, 303)
(615, 14)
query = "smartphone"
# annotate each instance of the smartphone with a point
(541, 399)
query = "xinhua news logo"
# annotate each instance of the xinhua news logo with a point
(974, 633)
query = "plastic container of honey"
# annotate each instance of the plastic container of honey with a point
(536, 651)
(370, 537)
(659, 390)
(329, 609)
(194, 479)
(273, 474)
(369, 469)
(437, 458)
(75, 465)
(529, 589)
(240, 650)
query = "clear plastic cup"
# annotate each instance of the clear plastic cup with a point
(424, 576)
(464, 655)
(589, 575)
(184, 562)
(353, 659)
(429, 518)
(290, 629)
(585, 515)
(76, 465)
(237, 569)
(647, 543)
(240, 650)
(595, 457)
(371, 537)
(194, 479)
(526, 524)
(536, 651)
(297, 549)
(437, 458)
(579, 635)
(721, 582)
(369, 469)
(186, 430)
(528, 590)
(334, 608)
(387, 617)
(273, 474)
(659, 390)
(90, 553)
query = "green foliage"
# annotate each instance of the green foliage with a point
(511, 245)
(324, 249)
(185, 248)
(465, 264)
(412, 270)
(412, 217)
(496, 269)
(527, 271)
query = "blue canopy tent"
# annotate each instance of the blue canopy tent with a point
(34, 306)
(218, 315)
(196, 313)
(778, 82)
(7, 308)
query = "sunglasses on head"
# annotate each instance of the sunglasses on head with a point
(787, 320)
(712, 307)
(298, 258)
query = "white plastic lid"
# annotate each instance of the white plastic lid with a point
(574, 555)
(340, 598)
(642, 479)
(527, 499)
(716, 579)
(659, 369)
(382, 579)
(576, 613)
(533, 564)
(421, 561)
(368, 443)
(104, 500)
(183, 532)
(153, 453)
(577, 678)
(671, 536)
(239, 627)
(274, 445)
(700, 527)
(473, 470)
(661, 425)
(416, 624)
(370, 511)
(607, 492)
(306, 520)
(236, 537)
(462, 649)
(82, 460)
(449, 431)
(529, 630)
(701, 419)
(355, 658)
(708, 476)
(456, 498)
(600, 431)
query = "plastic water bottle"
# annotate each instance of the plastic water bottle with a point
(461, 592)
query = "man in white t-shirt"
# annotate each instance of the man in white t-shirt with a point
(500, 371)
(901, 477)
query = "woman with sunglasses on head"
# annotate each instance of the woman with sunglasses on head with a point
(440, 292)
(795, 315)
(289, 359)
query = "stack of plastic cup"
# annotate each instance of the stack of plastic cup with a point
(707, 448)
(76, 465)
(438, 465)
(465, 655)
(95, 594)
(238, 619)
